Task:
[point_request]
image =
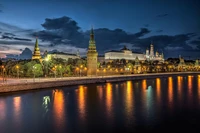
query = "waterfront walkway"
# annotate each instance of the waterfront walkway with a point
(12, 81)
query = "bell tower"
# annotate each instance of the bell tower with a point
(92, 56)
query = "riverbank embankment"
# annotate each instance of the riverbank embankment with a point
(12, 87)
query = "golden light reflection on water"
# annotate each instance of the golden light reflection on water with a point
(129, 99)
(144, 84)
(170, 91)
(59, 108)
(2, 110)
(198, 86)
(109, 98)
(17, 113)
(180, 86)
(158, 91)
(100, 92)
(190, 79)
(17, 107)
(81, 101)
(144, 92)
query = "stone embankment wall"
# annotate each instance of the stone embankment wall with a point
(59, 83)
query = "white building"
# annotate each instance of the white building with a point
(129, 55)
(63, 55)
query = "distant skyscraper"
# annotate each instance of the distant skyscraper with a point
(36, 53)
(92, 56)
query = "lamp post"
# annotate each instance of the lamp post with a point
(55, 72)
(34, 73)
(2, 72)
(17, 71)
(60, 71)
(81, 69)
(46, 65)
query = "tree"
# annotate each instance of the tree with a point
(37, 70)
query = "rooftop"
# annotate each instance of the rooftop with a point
(62, 53)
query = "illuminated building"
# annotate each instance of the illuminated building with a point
(92, 56)
(63, 55)
(127, 54)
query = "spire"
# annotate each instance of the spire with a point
(36, 43)
(36, 53)
(92, 34)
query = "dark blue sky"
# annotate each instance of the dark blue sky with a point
(169, 18)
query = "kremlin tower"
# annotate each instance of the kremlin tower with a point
(36, 53)
(92, 56)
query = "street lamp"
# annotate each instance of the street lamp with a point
(55, 72)
(81, 69)
(34, 67)
(60, 71)
(17, 71)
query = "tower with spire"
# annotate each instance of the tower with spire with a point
(92, 56)
(36, 53)
(151, 50)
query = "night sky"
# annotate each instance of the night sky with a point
(173, 25)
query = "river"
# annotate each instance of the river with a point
(170, 104)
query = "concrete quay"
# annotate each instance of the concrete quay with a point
(13, 85)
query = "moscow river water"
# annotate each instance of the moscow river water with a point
(170, 104)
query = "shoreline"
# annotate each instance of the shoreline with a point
(50, 83)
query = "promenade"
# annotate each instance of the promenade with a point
(13, 84)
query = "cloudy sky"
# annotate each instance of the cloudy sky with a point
(172, 25)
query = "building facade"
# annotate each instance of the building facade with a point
(63, 55)
(127, 54)
(92, 56)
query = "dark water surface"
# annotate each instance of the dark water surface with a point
(170, 104)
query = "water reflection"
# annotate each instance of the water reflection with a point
(198, 85)
(143, 96)
(82, 101)
(109, 99)
(17, 112)
(190, 79)
(100, 92)
(158, 91)
(2, 110)
(170, 91)
(59, 109)
(129, 103)
(144, 84)
(46, 104)
(179, 87)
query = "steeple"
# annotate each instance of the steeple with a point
(92, 56)
(36, 53)
(92, 45)
(92, 34)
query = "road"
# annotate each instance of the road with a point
(29, 80)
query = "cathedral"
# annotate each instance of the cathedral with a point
(127, 54)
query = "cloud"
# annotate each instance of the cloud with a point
(1, 8)
(26, 54)
(65, 31)
(9, 34)
(59, 29)
(146, 25)
(64, 34)
(162, 15)
(196, 43)
(159, 31)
